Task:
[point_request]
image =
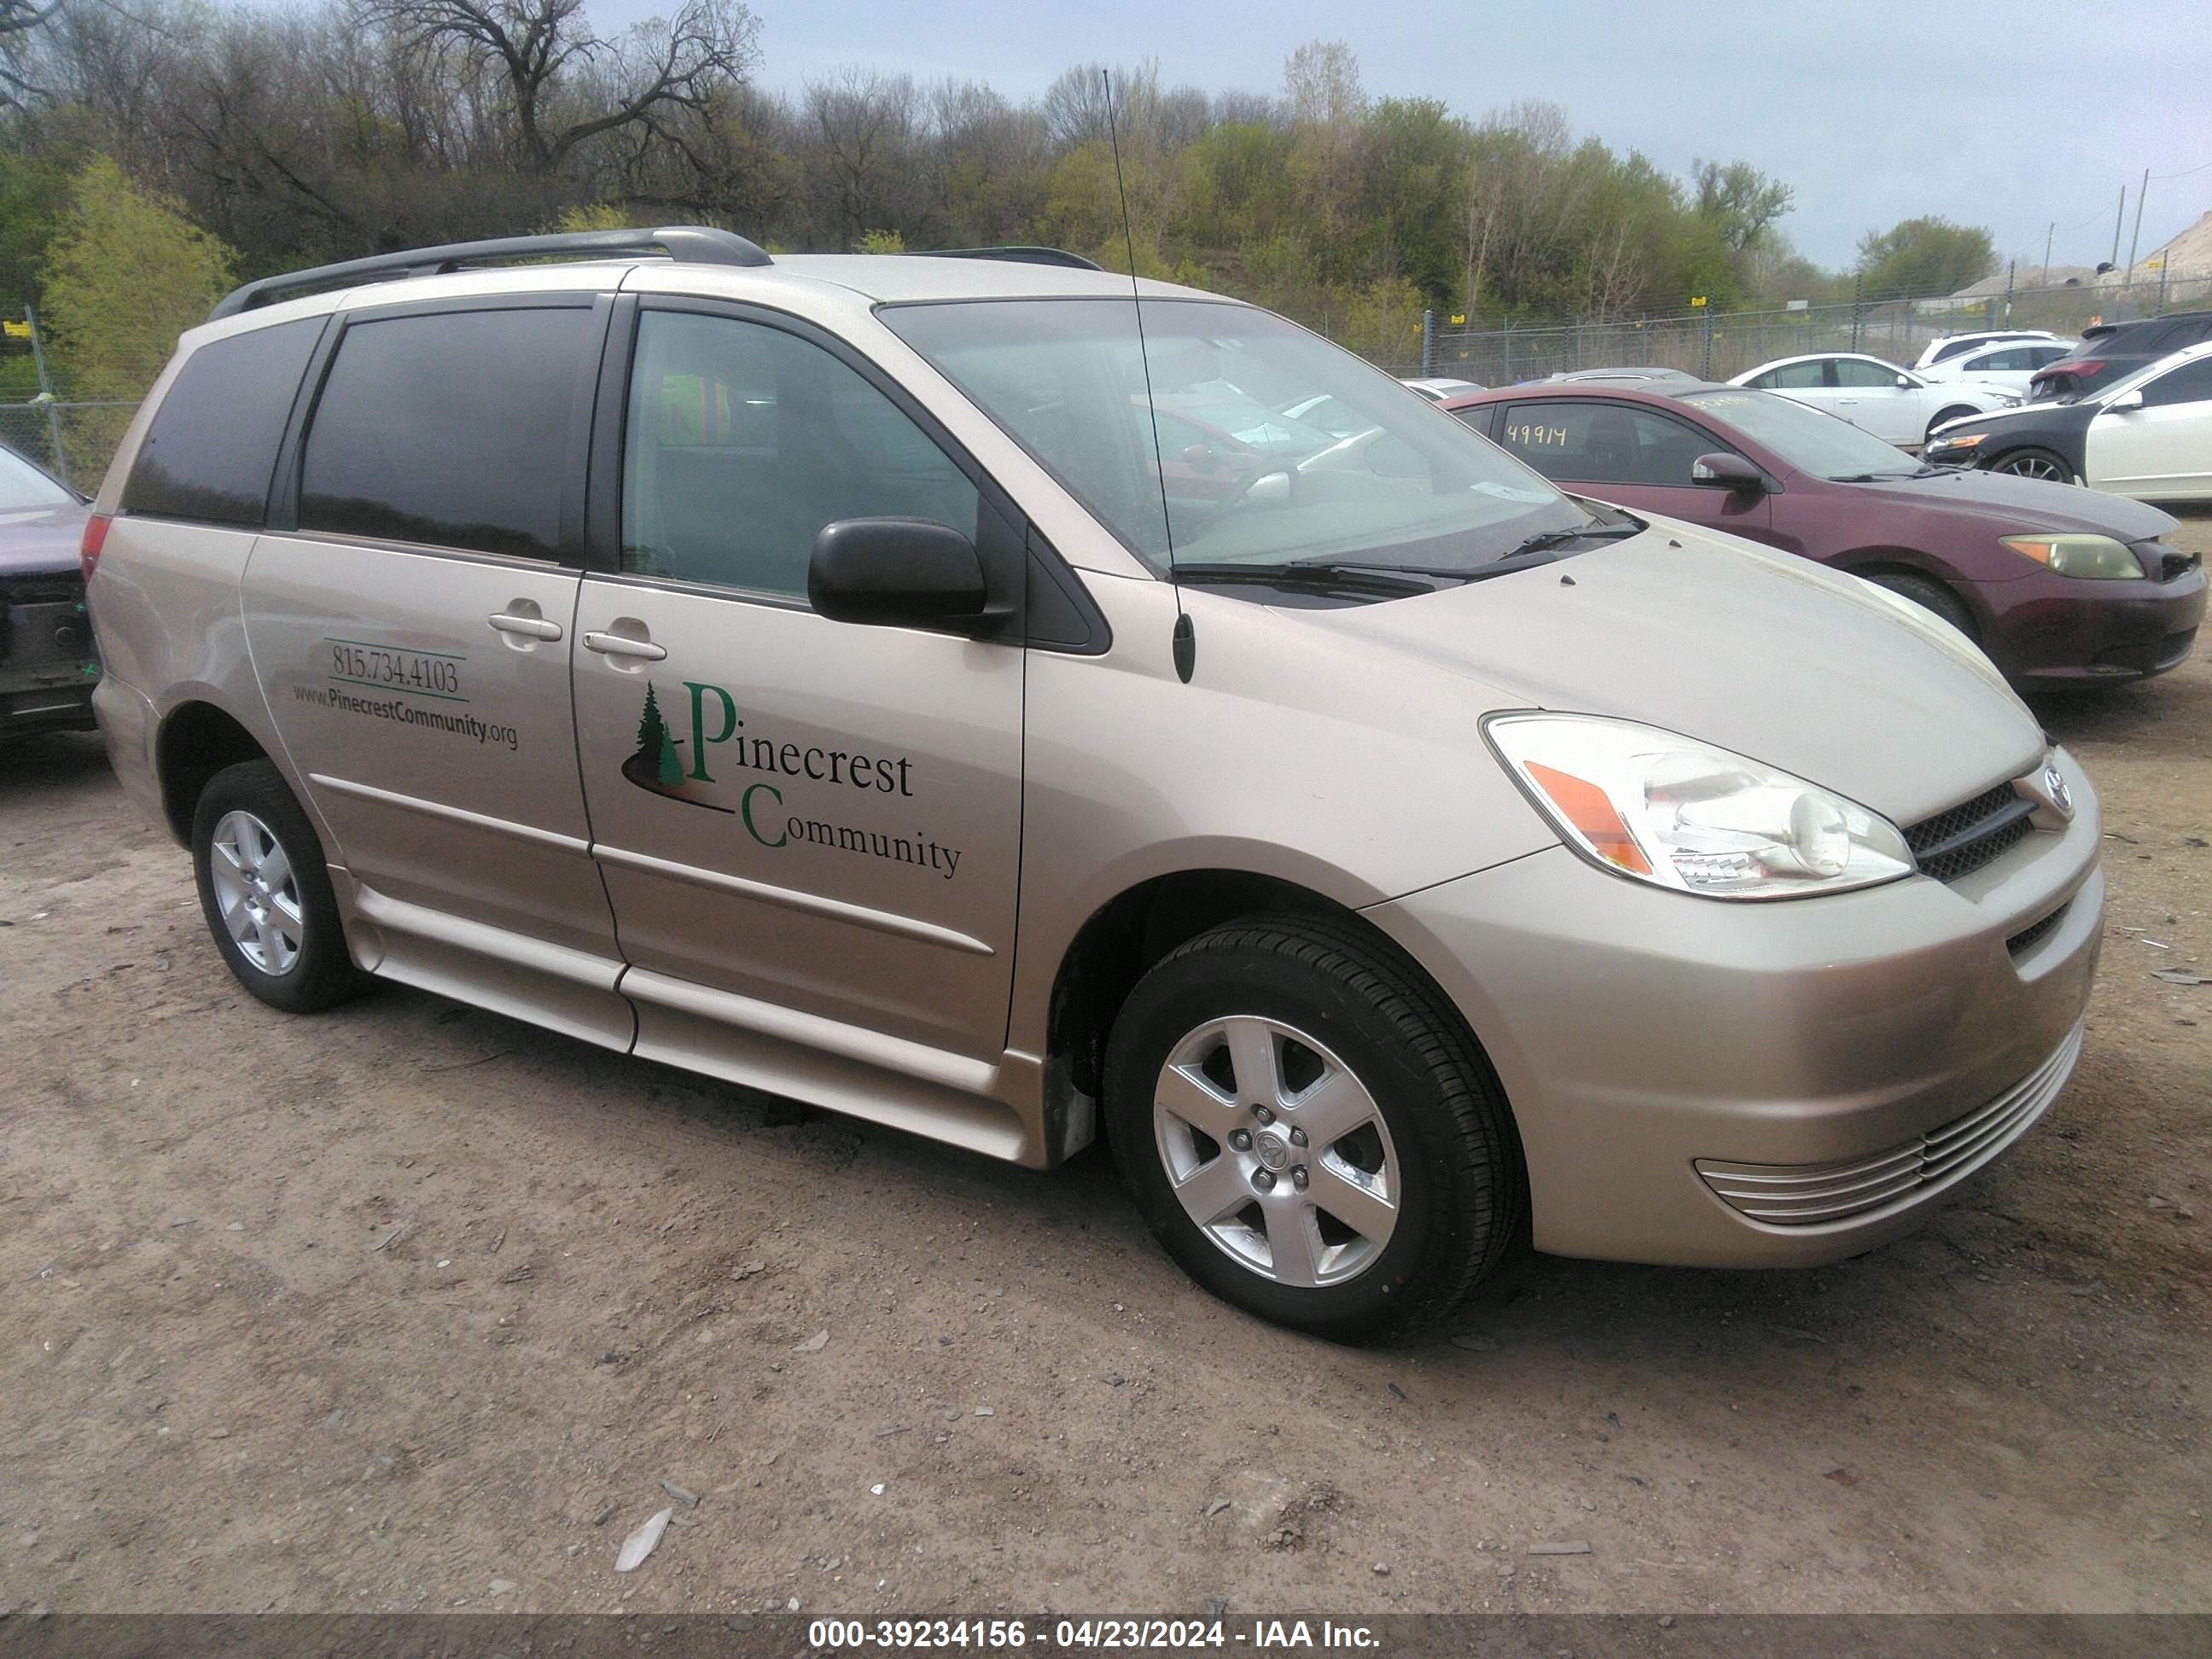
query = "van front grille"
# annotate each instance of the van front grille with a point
(1961, 840)
(1807, 1194)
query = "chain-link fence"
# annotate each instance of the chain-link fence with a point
(74, 438)
(1716, 346)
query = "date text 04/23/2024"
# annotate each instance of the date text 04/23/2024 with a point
(1002, 1635)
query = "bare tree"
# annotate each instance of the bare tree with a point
(17, 18)
(861, 127)
(542, 52)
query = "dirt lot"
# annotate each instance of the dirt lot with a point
(411, 1307)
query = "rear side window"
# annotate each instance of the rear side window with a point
(1792, 377)
(2190, 384)
(450, 430)
(211, 450)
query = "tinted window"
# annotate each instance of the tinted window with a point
(1944, 354)
(212, 447)
(450, 430)
(2190, 384)
(2016, 357)
(1603, 443)
(1792, 377)
(1858, 372)
(744, 440)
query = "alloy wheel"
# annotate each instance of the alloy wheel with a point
(257, 893)
(2033, 466)
(1277, 1151)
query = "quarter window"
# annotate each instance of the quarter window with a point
(450, 430)
(744, 440)
(1604, 443)
(211, 450)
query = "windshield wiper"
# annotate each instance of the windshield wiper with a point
(1320, 575)
(1544, 540)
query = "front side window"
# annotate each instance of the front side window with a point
(2016, 357)
(450, 430)
(1594, 442)
(211, 451)
(2191, 383)
(1858, 373)
(743, 441)
(1244, 482)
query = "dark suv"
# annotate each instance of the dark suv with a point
(2110, 350)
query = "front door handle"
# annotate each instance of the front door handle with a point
(536, 628)
(620, 645)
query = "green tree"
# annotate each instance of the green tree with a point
(125, 277)
(1739, 201)
(880, 241)
(1925, 255)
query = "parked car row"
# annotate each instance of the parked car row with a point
(1896, 406)
(2148, 435)
(2054, 584)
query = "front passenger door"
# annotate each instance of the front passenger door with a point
(794, 816)
(2163, 450)
(1629, 454)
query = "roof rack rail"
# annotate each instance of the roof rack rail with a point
(1025, 256)
(698, 243)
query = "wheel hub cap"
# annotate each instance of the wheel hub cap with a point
(1277, 1151)
(257, 893)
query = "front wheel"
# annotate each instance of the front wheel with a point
(2033, 464)
(1929, 595)
(266, 892)
(1309, 1131)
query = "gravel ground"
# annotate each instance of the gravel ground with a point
(411, 1306)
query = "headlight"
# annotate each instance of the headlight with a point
(1678, 813)
(1961, 441)
(2096, 557)
(2010, 400)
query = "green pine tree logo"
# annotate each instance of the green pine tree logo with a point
(656, 749)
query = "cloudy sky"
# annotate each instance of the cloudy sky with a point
(2009, 115)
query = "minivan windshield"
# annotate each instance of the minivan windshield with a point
(1389, 481)
(1810, 440)
(23, 485)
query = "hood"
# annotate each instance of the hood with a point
(1775, 658)
(41, 541)
(2007, 504)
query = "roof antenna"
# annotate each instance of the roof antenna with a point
(1184, 640)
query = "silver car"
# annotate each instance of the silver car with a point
(828, 674)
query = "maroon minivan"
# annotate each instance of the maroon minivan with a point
(2055, 583)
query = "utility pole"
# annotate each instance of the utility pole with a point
(2119, 214)
(2135, 235)
(2047, 237)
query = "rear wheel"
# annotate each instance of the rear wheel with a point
(1929, 595)
(1310, 1134)
(266, 892)
(2033, 464)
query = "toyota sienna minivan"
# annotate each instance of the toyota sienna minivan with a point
(895, 682)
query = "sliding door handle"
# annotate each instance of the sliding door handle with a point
(620, 645)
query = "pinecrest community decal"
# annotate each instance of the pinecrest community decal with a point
(677, 768)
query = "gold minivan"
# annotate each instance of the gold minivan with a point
(962, 693)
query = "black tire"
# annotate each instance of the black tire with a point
(1462, 1208)
(320, 975)
(2034, 463)
(1929, 595)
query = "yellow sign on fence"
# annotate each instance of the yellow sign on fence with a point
(16, 329)
(1697, 301)
(1459, 319)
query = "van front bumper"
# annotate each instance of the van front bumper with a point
(1702, 1082)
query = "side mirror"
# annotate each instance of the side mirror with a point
(1905, 383)
(1722, 469)
(896, 573)
(2124, 401)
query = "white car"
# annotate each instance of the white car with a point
(1876, 396)
(1436, 391)
(2148, 435)
(1944, 347)
(2008, 363)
